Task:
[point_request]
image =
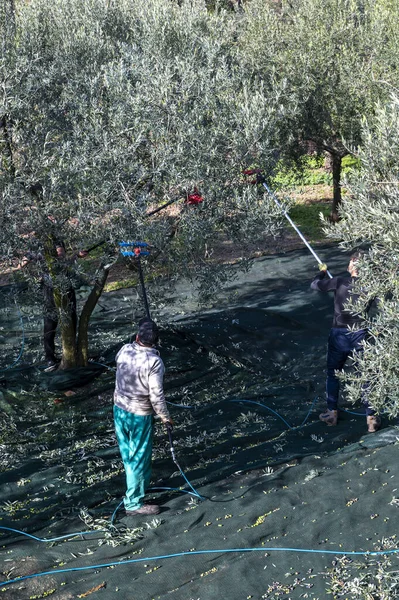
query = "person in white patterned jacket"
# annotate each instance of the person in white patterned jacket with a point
(138, 396)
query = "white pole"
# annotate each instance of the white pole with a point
(293, 225)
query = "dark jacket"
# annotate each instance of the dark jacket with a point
(341, 286)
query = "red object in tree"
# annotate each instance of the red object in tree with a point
(194, 198)
(252, 172)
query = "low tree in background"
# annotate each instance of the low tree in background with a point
(109, 109)
(335, 59)
(369, 215)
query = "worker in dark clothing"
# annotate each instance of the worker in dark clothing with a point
(342, 342)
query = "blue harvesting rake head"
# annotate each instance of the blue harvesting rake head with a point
(135, 249)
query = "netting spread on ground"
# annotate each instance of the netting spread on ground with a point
(245, 380)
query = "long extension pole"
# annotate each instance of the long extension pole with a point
(291, 222)
(147, 308)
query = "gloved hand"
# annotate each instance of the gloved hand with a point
(322, 267)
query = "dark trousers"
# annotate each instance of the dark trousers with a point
(342, 344)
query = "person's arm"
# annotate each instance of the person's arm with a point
(322, 284)
(157, 396)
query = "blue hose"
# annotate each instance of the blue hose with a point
(56, 539)
(179, 405)
(200, 552)
(115, 511)
(277, 414)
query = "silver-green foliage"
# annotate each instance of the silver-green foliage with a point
(370, 215)
(332, 57)
(374, 579)
(114, 107)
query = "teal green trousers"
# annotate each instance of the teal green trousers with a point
(134, 435)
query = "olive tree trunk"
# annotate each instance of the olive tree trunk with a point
(337, 195)
(82, 346)
(74, 331)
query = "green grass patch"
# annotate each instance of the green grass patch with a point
(119, 285)
(307, 218)
(309, 170)
(350, 163)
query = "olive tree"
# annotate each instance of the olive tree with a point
(369, 215)
(110, 109)
(333, 57)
